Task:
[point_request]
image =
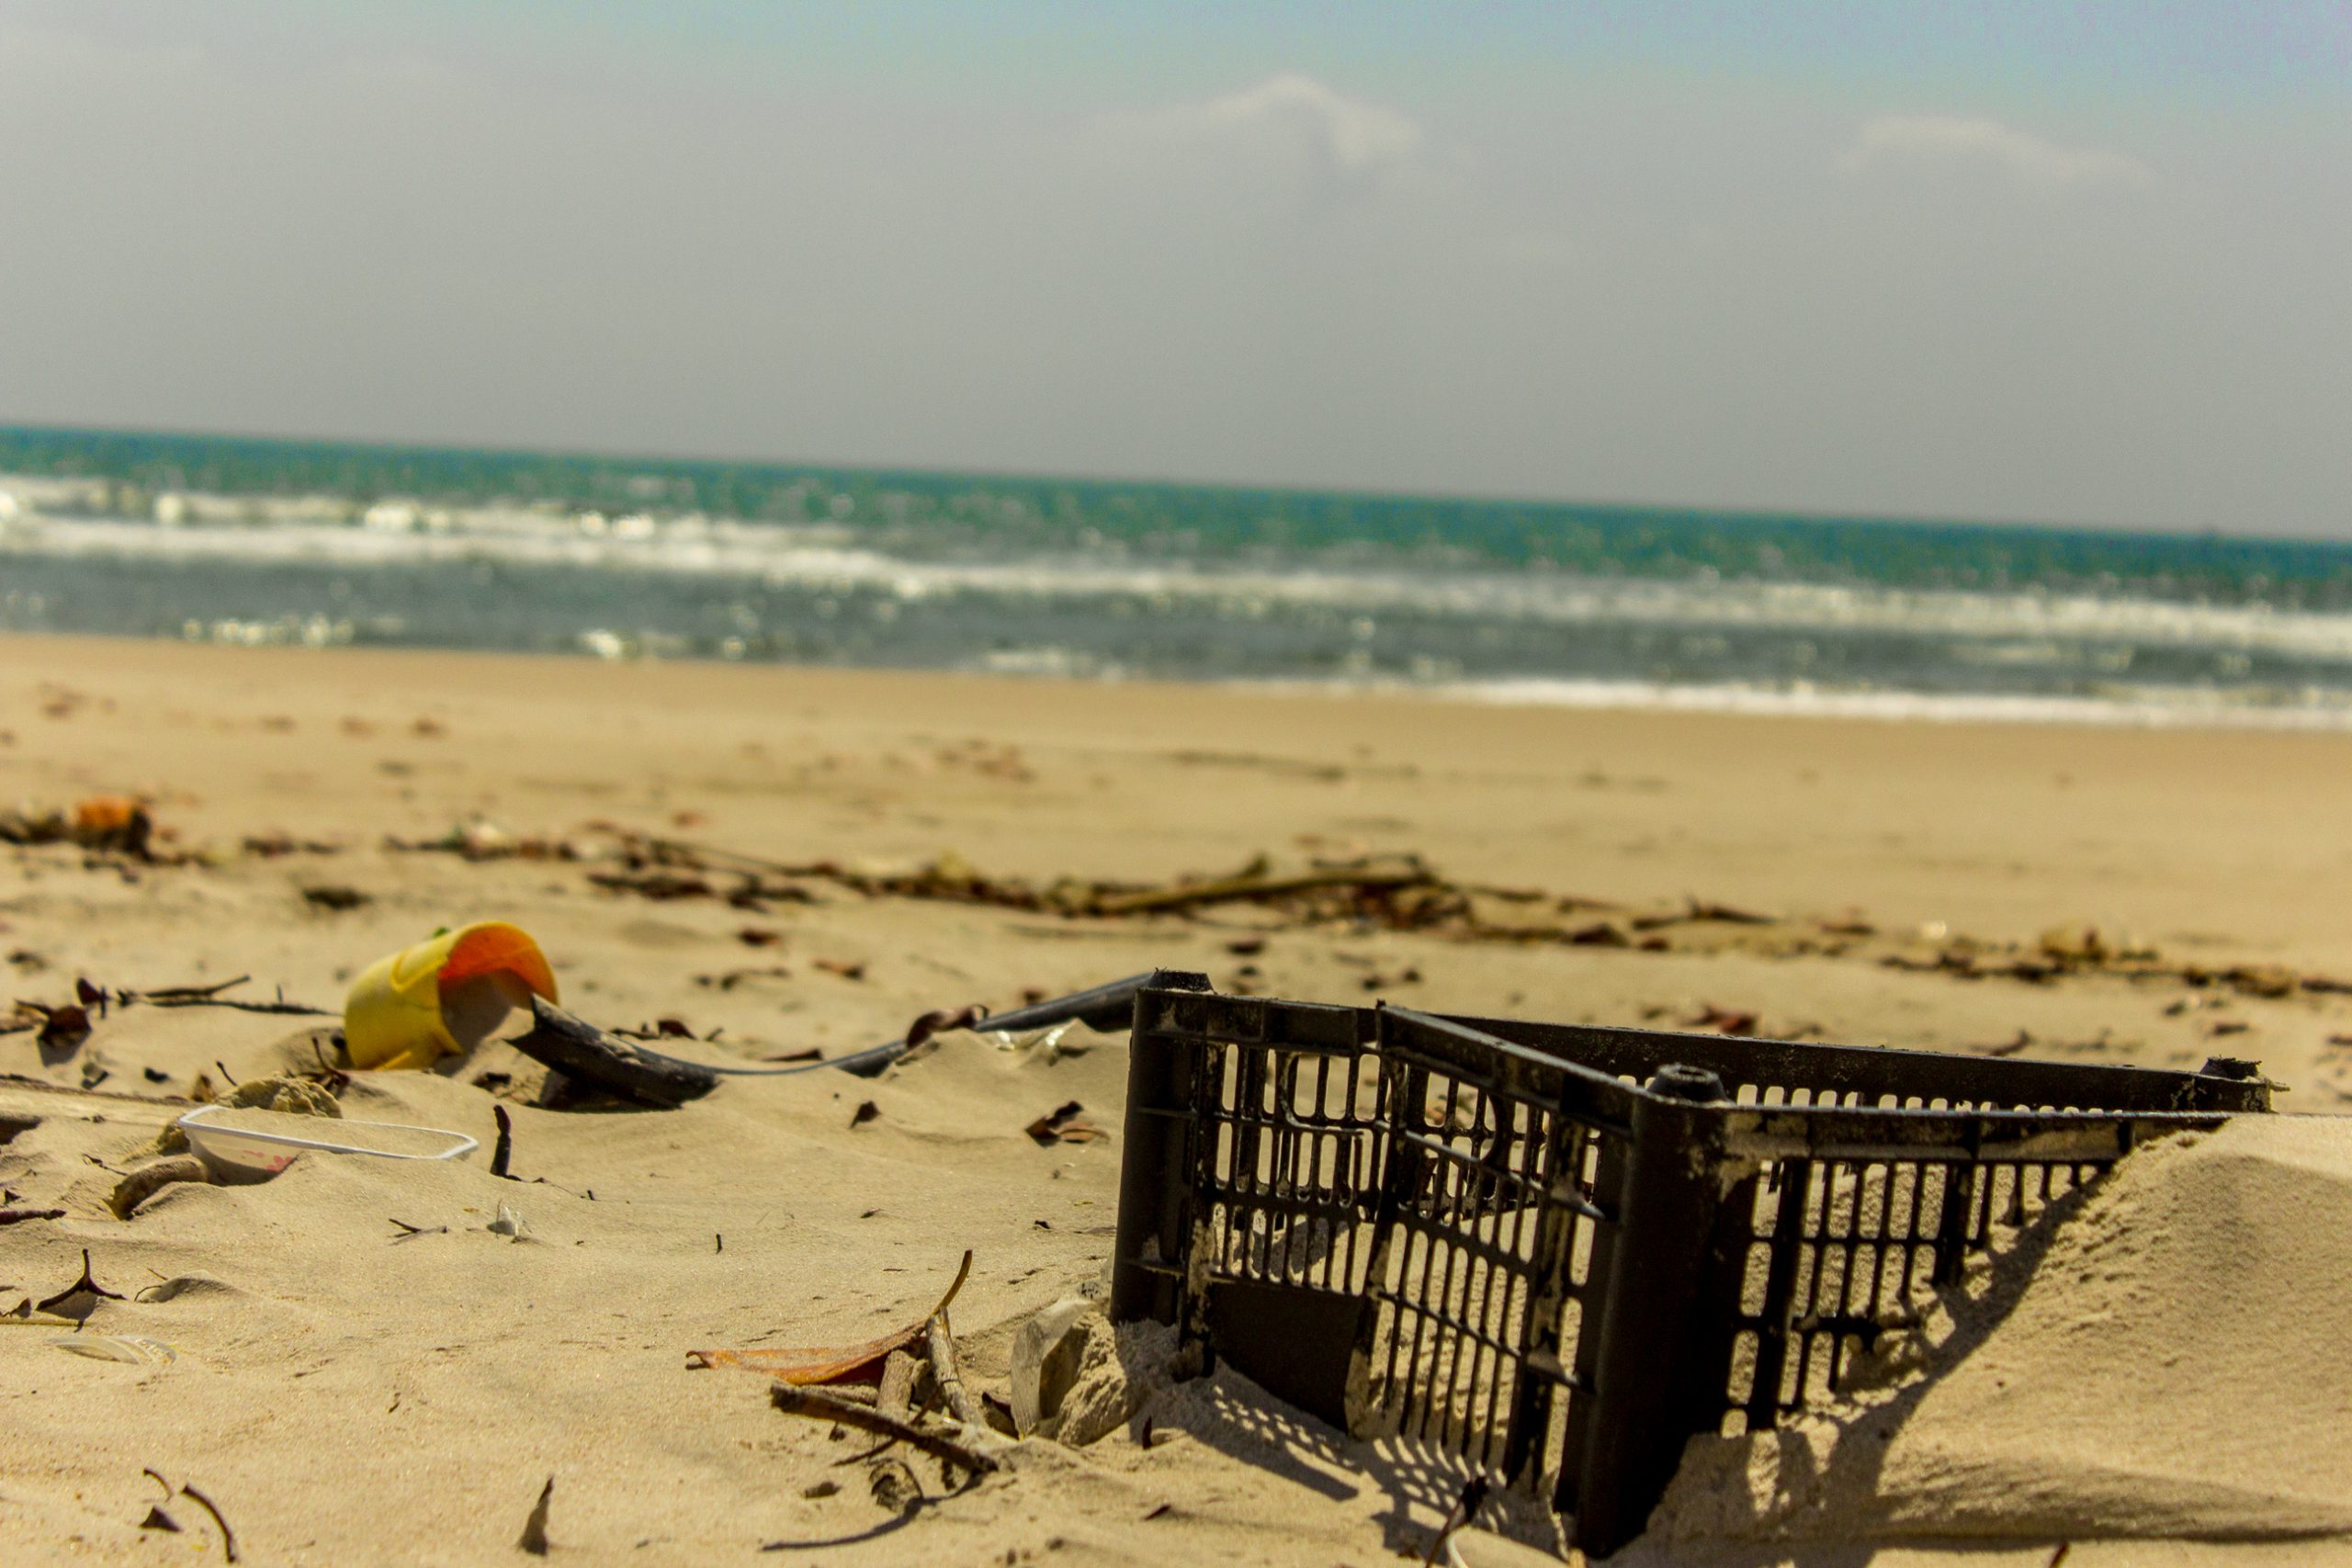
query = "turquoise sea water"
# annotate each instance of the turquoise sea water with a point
(241, 540)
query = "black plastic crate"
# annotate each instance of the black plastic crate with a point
(1556, 1253)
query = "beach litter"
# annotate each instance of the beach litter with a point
(444, 996)
(581, 1050)
(133, 1349)
(1773, 1210)
(107, 822)
(286, 1093)
(245, 1145)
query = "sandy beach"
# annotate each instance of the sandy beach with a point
(346, 1391)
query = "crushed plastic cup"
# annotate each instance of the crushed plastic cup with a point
(241, 1145)
(443, 997)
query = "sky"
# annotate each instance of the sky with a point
(2073, 263)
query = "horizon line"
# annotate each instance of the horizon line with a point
(1745, 512)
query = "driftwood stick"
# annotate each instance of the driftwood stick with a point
(228, 1535)
(897, 1399)
(294, 1010)
(190, 993)
(584, 1052)
(505, 1149)
(817, 1405)
(950, 1376)
(1240, 889)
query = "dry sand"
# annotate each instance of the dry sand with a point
(346, 1396)
(2172, 1367)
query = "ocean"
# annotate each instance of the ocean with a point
(254, 542)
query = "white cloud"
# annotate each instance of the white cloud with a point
(1348, 137)
(1914, 139)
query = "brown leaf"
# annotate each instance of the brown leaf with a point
(535, 1529)
(1064, 1125)
(832, 1364)
(941, 1020)
(64, 1028)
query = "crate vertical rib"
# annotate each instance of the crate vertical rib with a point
(1156, 1182)
(1651, 1387)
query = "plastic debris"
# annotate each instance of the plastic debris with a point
(134, 1349)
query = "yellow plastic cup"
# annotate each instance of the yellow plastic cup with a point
(398, 1014)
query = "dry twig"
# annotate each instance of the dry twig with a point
(819, 1404)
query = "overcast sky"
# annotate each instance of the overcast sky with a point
(2083, 263)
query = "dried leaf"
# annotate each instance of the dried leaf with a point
(535, 1529)
(61, 1029)
(939, 1022)
(832, 1364)
(1064, 1125)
